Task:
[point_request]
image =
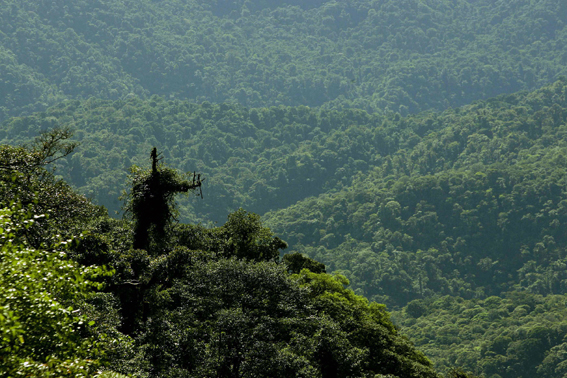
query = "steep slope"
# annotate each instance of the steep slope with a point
(193, 302)
(476, 207)
(476, 210)
(468, 202)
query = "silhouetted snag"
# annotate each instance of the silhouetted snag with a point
(296, 262)
(151, 202)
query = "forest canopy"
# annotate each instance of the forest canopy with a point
(194, 301)
(377, 55)
(357, 154)
(467, 202)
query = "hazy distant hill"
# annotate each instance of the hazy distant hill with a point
(403, 56)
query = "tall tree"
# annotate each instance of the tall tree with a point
(151, 200)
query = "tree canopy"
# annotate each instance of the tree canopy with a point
(208, 302)
(401, 56)
(392, 143)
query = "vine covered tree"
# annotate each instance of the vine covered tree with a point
(150, 202)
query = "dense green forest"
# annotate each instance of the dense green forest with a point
(402, 155)
(378, 55)
(518, 335)
(467, 202)
(193, 302)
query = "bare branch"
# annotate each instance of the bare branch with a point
(49, 147)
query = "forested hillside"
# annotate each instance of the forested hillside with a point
(475, 207)
(413, 151)
(518, 335)
(262, 159)
(378, 55)
(85, 295)
(467, 202)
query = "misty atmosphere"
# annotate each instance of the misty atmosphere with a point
(261, 188)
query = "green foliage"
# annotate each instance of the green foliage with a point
(25, 179)
(259, 159)
(248, 239)
(296, 262)
(519, 335)
(111, 374)
(209, 306)
(242, 236)
(401, 56)
(458, 373)
(477, 219)
(416, 308)
(368, 322)
(49, 147)
(41, 335)
(214, 302)
(468, 202)
(236, 318)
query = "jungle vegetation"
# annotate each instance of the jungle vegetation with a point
(193, 302)
(403, 56)
(358, 156)
(465, 204)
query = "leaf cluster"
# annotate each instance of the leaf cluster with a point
(41, 335)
